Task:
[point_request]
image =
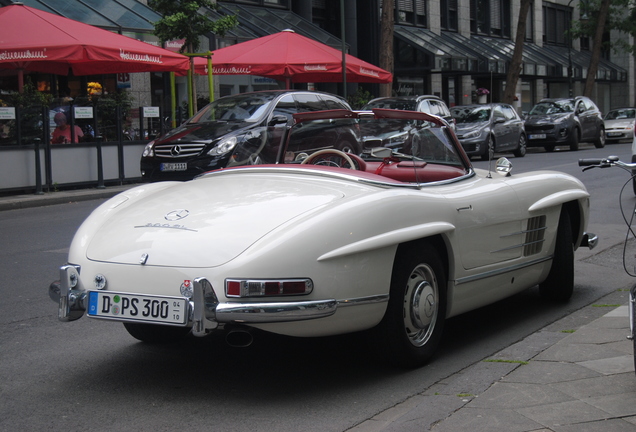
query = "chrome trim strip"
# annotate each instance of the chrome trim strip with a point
(254, 313)
(518, 246)
(380, 298)
(353, 177)
(498, 272)
(523, 232)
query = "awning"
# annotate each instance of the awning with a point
(607, 71)
(117, 15)
(444, 54)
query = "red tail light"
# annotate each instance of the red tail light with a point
(267, 287)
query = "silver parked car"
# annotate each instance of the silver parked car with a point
(428, 104)
(619, 124)
(486, 129)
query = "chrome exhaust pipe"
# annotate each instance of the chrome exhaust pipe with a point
(239, 337)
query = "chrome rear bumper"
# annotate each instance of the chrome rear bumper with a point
(205, 311)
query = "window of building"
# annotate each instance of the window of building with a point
(448, 12)
(556, 23)
(530, 25)
(279, 3)
(410, 12)
(490, 17)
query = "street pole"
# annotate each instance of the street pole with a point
(570, 70)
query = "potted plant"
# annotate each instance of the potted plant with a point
(482, 95)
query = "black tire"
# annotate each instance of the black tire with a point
(576, 138)
(414, 320)
(522, 147)
(600, 140)
(157, 334)
(634, 182)
(489, 151)
(549, 148)
(559, 284)
(347, 147)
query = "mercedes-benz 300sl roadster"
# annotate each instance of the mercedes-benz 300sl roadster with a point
(391, 241)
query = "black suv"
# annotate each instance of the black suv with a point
(566, 121)
(426, 103)
(243, 129)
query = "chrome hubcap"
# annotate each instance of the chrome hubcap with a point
(420, 305)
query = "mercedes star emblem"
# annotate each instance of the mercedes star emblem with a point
(176, 215)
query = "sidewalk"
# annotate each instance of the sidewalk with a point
(14, 202)
(560, 379)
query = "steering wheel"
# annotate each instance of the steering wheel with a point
(327, 156)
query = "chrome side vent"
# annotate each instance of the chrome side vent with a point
(535, 236)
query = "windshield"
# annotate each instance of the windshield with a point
(243, 108)
(409, 139)
(470, 115)
(620, 114)
(556, 107)
(397, 104)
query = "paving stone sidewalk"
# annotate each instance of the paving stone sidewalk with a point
(559, 379)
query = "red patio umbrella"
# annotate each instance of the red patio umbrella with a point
(288, 56)
(34, 40)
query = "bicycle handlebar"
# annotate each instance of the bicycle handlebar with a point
(610, 161)
(590, 162)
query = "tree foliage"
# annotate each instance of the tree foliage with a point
(621, 16)
(599, 17)
(182, 20)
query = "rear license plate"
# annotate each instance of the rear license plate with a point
(135, 307)
(182, 166)
(536, 136)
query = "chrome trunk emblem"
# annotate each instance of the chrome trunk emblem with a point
(176, 215)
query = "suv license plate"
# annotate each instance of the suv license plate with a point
(135, 307)
(536, 136)
(182, 166)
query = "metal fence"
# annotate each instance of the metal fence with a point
(108, 152)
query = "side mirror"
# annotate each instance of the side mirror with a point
(504, 167)
(278, 119)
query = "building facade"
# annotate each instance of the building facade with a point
(451, 47)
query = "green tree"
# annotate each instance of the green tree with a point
(181, 20)
(599, 17)
(186, 19)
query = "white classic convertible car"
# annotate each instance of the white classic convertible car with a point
(394, 239)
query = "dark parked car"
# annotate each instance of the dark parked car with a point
(486, 129)
(427, 104)
(243, 129)
(566, 121)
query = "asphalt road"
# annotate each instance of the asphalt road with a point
(92, 376)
